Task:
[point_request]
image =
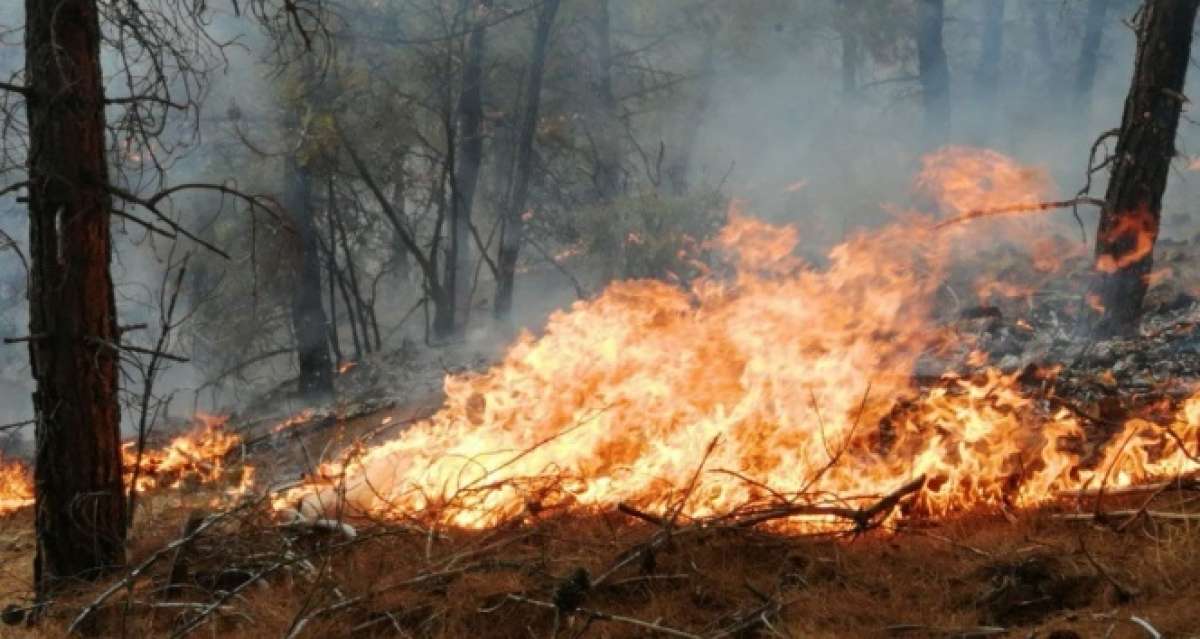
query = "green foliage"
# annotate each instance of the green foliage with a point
(652, 235)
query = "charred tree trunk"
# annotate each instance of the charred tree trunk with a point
(934, 71)
(1129, 222)
(80, 505)
(469, 158)
(987, 73)
(309, 323)
(513, 229)
(603, 119)
(1089, 55)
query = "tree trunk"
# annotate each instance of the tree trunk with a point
(987, 73)
(603, 121)
(1142, 159)
(934, 71)
(309, 323)
(470, 158)
(510, 235)
(1089, 56)
(80, 505)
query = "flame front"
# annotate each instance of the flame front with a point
(800, 375)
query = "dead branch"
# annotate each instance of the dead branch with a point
(606, 616)
(863, 519)
(1022, 208)
(140, 569)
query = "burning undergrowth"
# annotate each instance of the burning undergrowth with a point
(768, 383)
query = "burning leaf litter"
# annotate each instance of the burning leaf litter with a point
(805, 373)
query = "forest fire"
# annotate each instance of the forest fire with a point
(782, 383)
(16, 489)
(198, 456)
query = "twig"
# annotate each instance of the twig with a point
(1023, 207)
(606, 616)
(137, 572)
(864, 519)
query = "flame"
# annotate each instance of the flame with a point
(345, 367)
(1136, 232)
(295, 420)
(964, 179)
(196, 456)
(16, 486)
(780, 375)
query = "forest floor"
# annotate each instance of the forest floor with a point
(1124, 565)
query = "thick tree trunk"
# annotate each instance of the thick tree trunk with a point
(1142, 159)
(80, 505)
(513, 229)
(603, 121)
(934, 71)
(469, 159)
(1089, 56)
(309, 323)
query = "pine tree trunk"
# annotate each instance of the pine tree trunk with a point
(934, 71)
(80, 505)
(309, 323)
(1129, 223)
(513, 229)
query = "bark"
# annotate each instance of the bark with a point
(1142, 159)
(934, 71)
(1089, 55)
(510, 236)
(603, 118)
(309, 323)
(469, 158)
(80, 506)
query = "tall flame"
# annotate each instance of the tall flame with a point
(800, 375)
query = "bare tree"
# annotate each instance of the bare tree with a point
(513, 221)
(469, 158)
(1129, 222)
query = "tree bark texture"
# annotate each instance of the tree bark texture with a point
(1128, 228)
(80, 505)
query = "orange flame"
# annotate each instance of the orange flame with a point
(801, 376)
(195, 456)
(1139, 229)
(16, 487)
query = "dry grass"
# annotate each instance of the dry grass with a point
(1031, 574)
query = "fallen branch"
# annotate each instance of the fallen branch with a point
(863, 518)
(607, 616)
(138, 571)
(1024, 207)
